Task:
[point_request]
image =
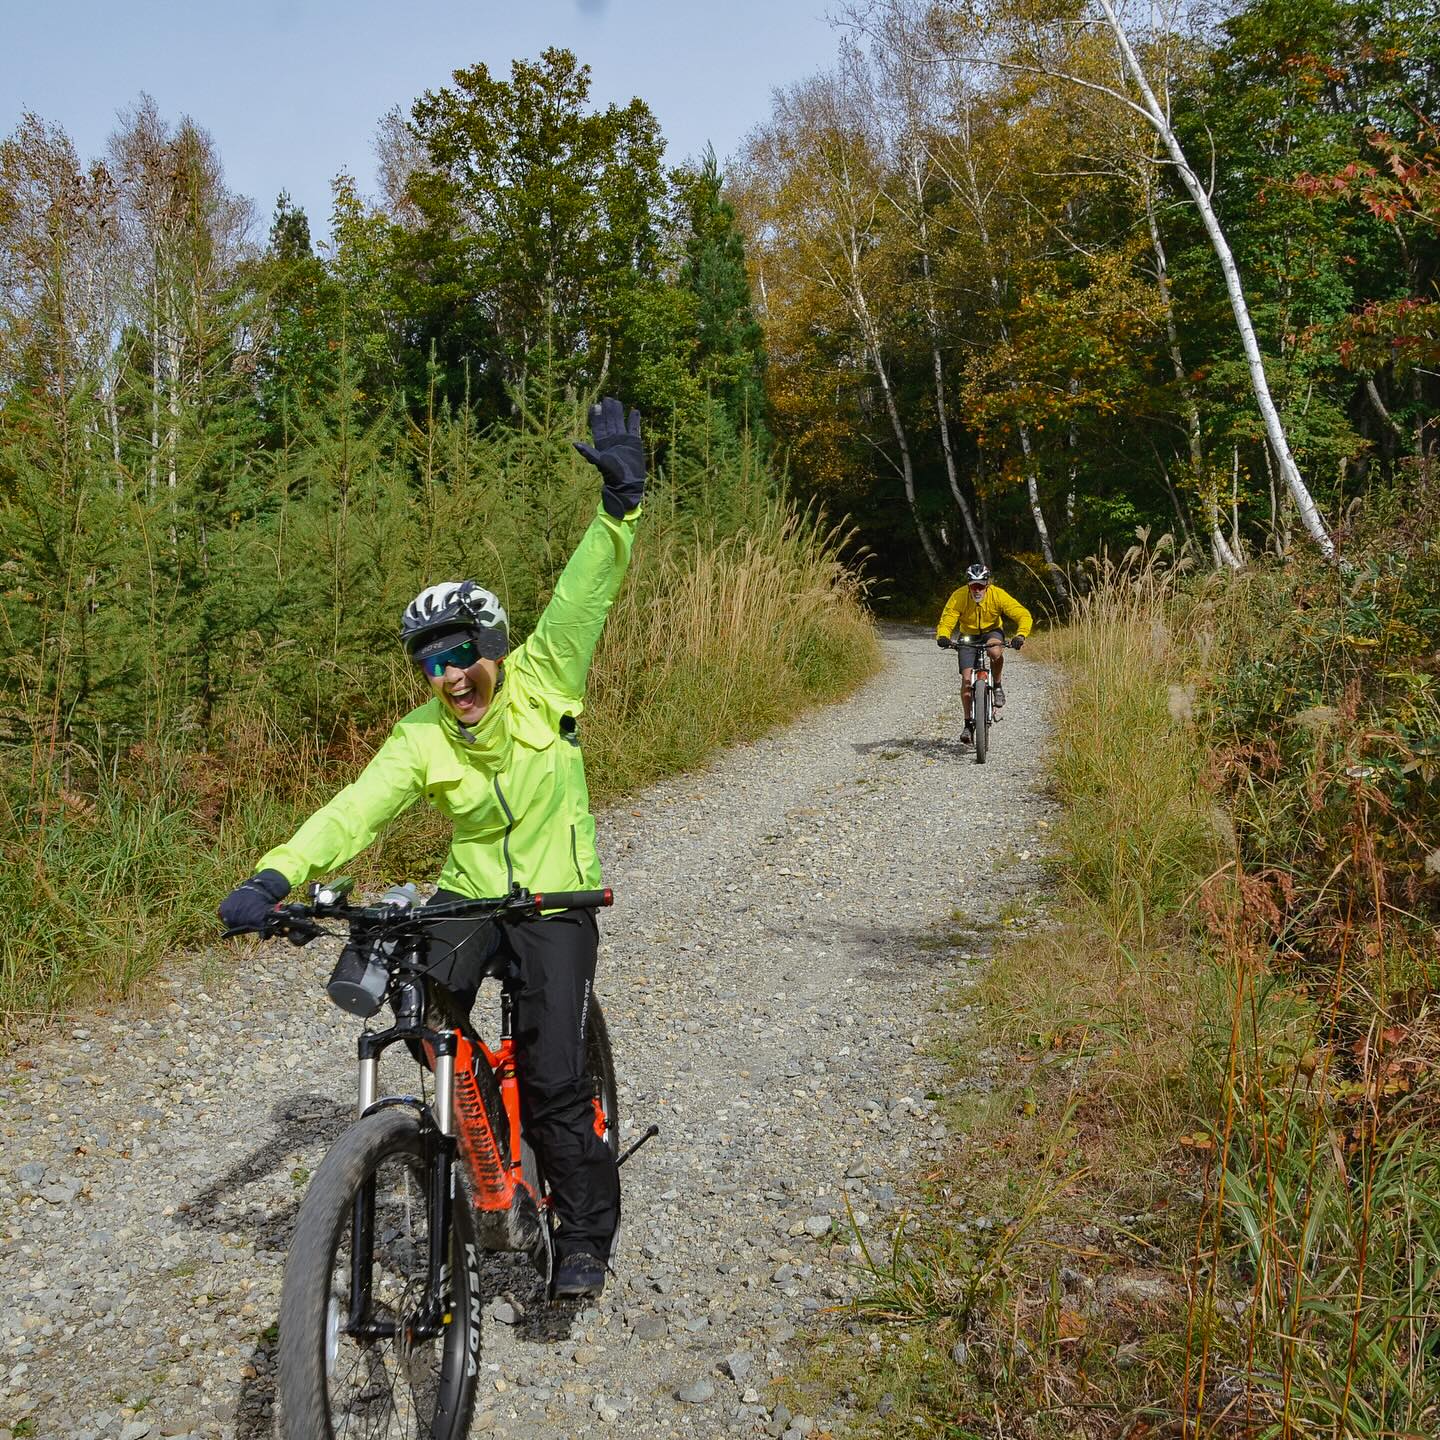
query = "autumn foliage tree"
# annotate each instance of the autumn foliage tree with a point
(1141, 267)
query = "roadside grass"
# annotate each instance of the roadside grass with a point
(1195, 1183)
(1036, 1290)
(711, 641)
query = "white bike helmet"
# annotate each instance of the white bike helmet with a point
(454, 610)
(978, 575)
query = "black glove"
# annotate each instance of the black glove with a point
(1017, 642)
(942, 641)
(618, 455)
(247, 905)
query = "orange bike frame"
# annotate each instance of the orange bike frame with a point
(494, 1169)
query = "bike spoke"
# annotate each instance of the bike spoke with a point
(382, 1388)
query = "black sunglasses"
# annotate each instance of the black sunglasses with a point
(461, 656)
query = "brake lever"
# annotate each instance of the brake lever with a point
(301, 932)
(297, 929)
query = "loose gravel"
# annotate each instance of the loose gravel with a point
(785, 923)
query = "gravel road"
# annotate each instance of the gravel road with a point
(769, 970)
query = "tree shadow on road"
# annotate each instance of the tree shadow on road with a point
(951, 950)
(310, 1124)
(303, 1122)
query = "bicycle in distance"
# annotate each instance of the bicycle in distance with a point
(974, 655)
(380, 1306)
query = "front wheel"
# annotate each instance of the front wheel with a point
(350, 1364)
(980, 704)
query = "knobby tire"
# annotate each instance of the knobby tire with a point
(376, 1389)
(980, 708)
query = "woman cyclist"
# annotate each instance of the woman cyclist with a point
(495, 748)
(976, 610)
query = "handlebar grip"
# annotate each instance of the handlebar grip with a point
(574, 899)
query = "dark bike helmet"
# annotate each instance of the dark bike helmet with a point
(442, 615)
(978, 575)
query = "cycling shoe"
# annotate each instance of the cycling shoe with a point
(580, 1275)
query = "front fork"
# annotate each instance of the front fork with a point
(433, 1313)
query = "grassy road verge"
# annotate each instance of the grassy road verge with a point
(1195, 1189)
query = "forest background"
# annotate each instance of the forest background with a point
(1013, 280)
(953, 289)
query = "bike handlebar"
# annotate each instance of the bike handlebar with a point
(297, 922)
(573, 899)
(949, 644)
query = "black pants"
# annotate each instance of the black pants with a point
(549, 967)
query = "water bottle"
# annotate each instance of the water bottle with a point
(401, 897)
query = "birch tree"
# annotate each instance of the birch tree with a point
(1045, 44)
(914, 122)
(816, 185)
(184, 233)
(1122, 147)
(977, 183)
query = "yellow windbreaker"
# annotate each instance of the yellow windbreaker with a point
(962, 614)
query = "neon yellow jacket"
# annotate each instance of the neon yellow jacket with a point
(516, 791)
(963, 614)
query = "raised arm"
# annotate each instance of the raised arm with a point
(559, 651)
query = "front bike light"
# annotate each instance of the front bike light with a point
(331, 894)
(358, 983)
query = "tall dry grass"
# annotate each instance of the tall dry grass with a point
(1246, 1051)
(1221, 1088)
(1138, 837)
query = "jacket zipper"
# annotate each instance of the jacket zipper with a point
(509, 826)
(575, 858)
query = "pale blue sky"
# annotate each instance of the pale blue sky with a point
(291, 89)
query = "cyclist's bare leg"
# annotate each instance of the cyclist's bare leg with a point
(967, 690)
(996, 649)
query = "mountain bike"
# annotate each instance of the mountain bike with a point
(380, 1306)
(982, 695)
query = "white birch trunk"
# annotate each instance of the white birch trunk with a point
(1074, 439)
(153, 467)
(932, 317)
(1304, 502)
(1235, 541)
(902, 440)
(172, 398)
(1220, 552)
(1032, 477)
(1032, 485)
